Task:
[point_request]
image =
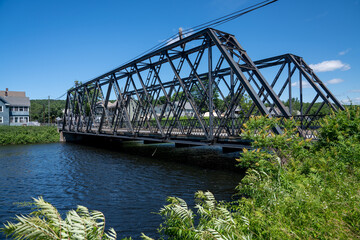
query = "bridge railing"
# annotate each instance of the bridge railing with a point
(308, 127)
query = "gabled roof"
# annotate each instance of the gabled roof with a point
(12, 94)
(3, 100)
(187, 105)
(17, 101)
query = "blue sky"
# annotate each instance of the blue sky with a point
(45, 45)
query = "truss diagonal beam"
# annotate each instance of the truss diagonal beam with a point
(206, 100)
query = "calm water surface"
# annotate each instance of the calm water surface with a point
(128, 189)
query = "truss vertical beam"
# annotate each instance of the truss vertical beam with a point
(105, 104)
(187, 94)
(327, 91)
(261, 106)
(136, 108)
(210, 88)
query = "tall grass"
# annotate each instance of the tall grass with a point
(27, 135)
(293, 189)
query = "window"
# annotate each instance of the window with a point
(1, 119)
(26, 109)
(26, 119)
(16, 119)
(11, 119)
(21, 109)
(1, 108)
(16, 109)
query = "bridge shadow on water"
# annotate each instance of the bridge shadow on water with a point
(209, 157)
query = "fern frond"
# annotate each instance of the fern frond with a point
(143, 236)
(50, 213)
(46, 223)
(33, 226)
(210, 200)
(215, 234)
(99, 219)
(111, 234)
(225, 214)
(83, 211)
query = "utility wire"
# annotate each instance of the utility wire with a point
(212, 23)
(229, 17)
(58, 98)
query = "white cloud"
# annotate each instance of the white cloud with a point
(331, 65)
(304, 84)
(335, 81)
(344, 52)
(351, 100)
(355, 90)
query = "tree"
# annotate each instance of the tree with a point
(162, 100)
(200, 97)
(39, 109)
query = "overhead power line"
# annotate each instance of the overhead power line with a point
(213, 23)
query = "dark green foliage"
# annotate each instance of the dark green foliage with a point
(28, 135)
(39, 110)
(294, 188)
(342, 126)
(296, 106)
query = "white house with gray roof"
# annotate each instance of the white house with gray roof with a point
(187, 110)
(14, 108)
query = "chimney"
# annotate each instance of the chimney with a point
(6, 92)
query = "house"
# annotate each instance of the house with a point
(187, 110)
(14, 108)
(207, 114)
(112, 108)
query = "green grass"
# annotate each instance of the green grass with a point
(27, 135)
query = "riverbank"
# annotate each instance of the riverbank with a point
(28, 134)
(293, 188)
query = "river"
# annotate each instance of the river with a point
(127, 188)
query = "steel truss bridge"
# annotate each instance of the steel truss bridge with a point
(199, 90)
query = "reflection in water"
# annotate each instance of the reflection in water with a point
(126, 188)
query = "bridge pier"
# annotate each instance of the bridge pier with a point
(231, 150)
(151, 142)
(62, 137)
(184, 145)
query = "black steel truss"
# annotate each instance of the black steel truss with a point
(202, 88)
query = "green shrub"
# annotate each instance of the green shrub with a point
(28, 135)
(293, 188)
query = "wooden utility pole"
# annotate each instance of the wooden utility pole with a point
(49, 111)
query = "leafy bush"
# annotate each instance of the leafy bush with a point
(46, 223)
(214, 221)
(293, 188)
(28, 135)
(341, 126)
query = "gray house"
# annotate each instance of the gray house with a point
(187, 110)
(14, 108)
